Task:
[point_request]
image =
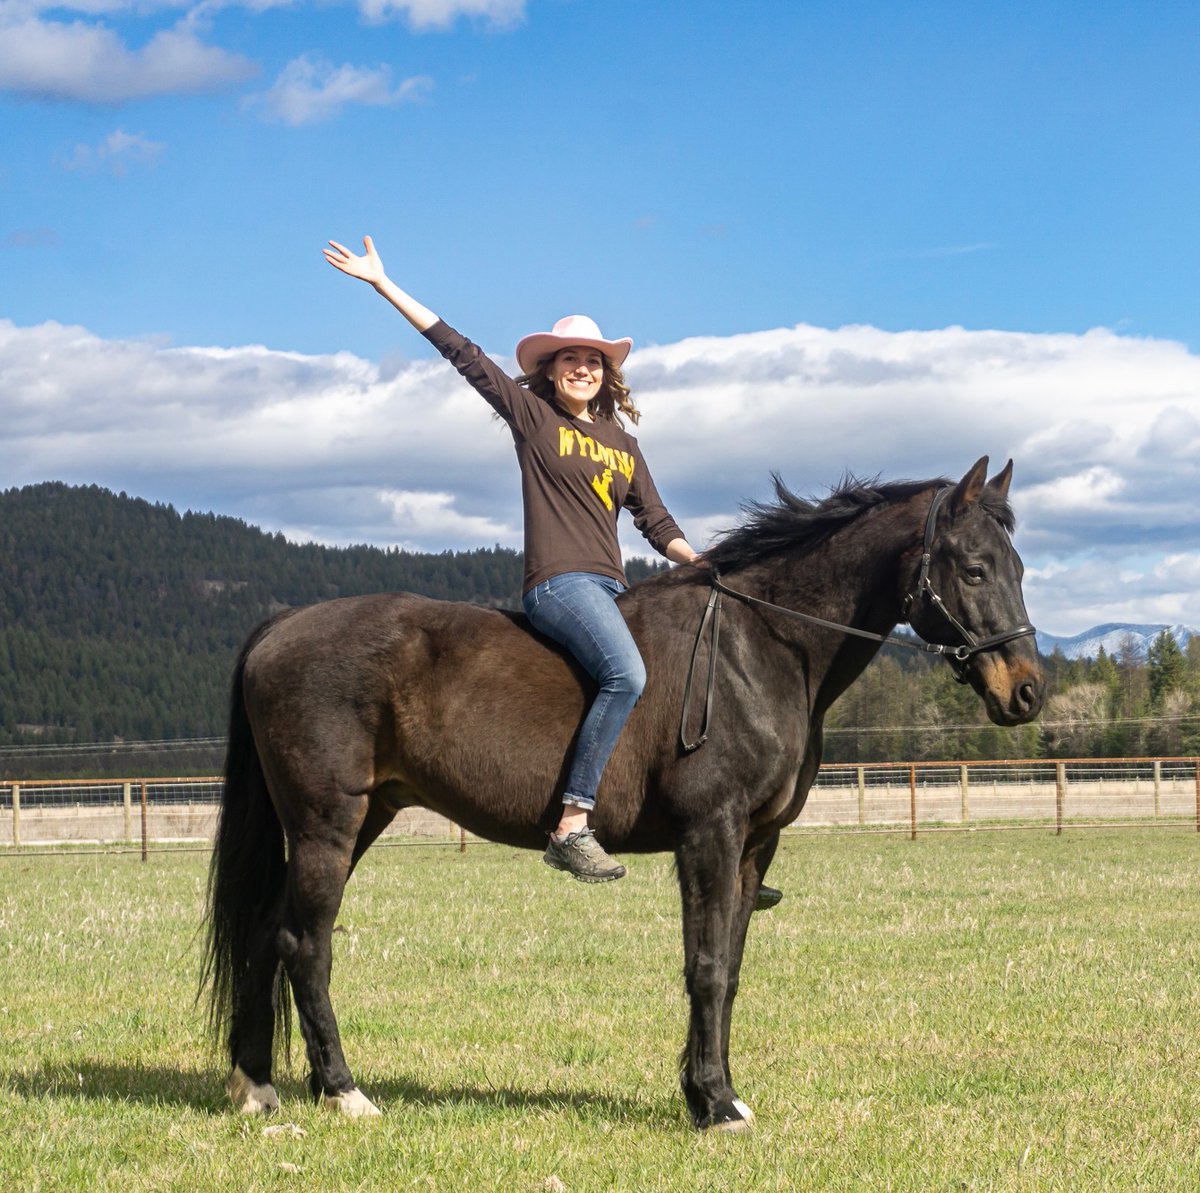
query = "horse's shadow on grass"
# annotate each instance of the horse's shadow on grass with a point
(202, 1092)
(95, 1082)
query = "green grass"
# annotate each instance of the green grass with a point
(990, 1011)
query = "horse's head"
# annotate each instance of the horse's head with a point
(967, 594)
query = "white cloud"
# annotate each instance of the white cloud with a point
(1103, 429)
(323, 443)
(420, 515)
(1066, 598)
(441, 14)
(310, 89)
(192, 9)
(117, 153)
(350, 513)
(75, 54)
(88, 62)
(1093, 489)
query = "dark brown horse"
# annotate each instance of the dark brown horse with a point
(347, 711)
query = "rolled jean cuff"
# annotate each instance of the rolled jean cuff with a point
(578, 801)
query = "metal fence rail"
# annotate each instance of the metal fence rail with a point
(1037, 793)
(132, 812)
(1043, 792)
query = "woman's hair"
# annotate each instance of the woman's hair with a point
(611, 402)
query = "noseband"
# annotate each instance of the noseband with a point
(957, 656)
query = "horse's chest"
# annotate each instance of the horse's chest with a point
(782, 802)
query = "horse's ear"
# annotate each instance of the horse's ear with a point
(1000, 482)
(967, 491)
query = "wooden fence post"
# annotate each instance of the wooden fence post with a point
(912, 797)
(16, 805)
(144, 849)
(127, 800)
(1157, 787)
(962, 783)
(1060, 794)
(862, 796)
(1197, 762)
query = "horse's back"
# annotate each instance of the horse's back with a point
(457, 707)
(467, 711)
(405, 644)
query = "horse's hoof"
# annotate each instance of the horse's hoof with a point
(353, 1104)
(249, 1097)
(738, 1118)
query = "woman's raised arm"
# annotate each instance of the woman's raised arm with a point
(369, 268)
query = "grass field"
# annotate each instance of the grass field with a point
(971, 1011)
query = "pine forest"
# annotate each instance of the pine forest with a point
(120, 621)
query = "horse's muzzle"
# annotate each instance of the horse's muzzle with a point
(1013, 690)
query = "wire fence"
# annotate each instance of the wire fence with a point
(872, 797)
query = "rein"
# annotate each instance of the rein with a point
(956, 655)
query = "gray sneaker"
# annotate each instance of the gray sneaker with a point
(583, 857)
(768, 896)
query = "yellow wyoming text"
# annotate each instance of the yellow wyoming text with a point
(570, 440)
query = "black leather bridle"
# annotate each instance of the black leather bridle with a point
(971, 645)
(956, 655)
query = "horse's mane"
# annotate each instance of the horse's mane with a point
(801, 524)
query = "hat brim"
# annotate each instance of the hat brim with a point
(535, 348)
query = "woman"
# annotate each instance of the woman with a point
(579, 468)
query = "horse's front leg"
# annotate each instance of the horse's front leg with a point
(751, 871)
(707, 862)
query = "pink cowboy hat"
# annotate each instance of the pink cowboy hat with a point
(566, 333)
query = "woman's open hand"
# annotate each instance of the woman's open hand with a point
(367, 268)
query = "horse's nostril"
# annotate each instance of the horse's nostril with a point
(1027, 696)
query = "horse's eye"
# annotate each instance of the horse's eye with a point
(975, 572)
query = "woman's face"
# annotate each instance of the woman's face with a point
(577, 374)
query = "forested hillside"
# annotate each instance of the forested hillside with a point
(121, 619)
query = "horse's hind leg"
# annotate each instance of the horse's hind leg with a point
(259, 1003)
(318, 866)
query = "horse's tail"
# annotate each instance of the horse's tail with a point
(245, 876)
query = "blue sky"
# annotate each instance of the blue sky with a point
(861, 237)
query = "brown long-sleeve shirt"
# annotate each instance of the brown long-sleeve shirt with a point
(575, 476)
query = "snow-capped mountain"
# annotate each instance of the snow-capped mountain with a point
(1113, 637)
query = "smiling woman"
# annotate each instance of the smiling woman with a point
(579, 469)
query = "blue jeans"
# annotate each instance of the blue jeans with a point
(578, 610)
